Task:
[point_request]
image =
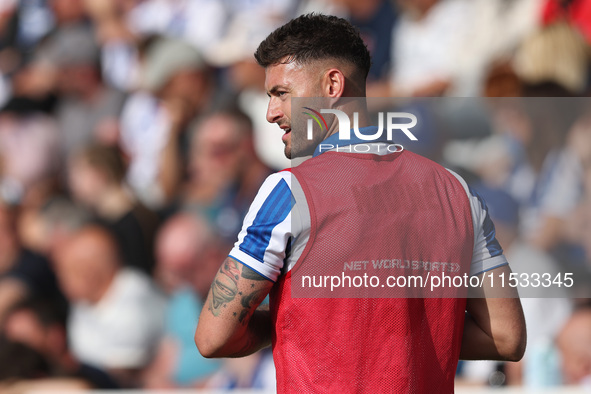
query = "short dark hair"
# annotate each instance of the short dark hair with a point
(315, 37)
(19, 361)
(48, 312)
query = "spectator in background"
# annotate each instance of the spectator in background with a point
(535, 62)
(119, 52)
(188, 253)
(25, 370)
(199, 22)
(22, 25)
(540, 172)
(29, 147)
(42, 229)
(500, 80)
(186, 246)
(30, 138)
(42, 327)
(96, 176)
(529, 157)
(578, 226)
(486, 47)
(428, 38)
(23, 273)
(67, 13)
(18, 361)
(443, 47)
(87, 110)
(224, 171)
(375, 20)
(574, 343)
(177, 86)
(552, 170)
(116, 313)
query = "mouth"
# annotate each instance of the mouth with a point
(287, 131)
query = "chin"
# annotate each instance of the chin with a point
(287, 151)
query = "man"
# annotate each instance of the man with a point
(188, 255)
(23, 273)
(189, 252)
(41, 326)
(96, 179)
(309, 218)
(115, 320)
(176, 87)
(224, 171)
(574, 344)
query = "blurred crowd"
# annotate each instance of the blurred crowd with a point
(133, 139)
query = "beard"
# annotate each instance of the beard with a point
(299, 146)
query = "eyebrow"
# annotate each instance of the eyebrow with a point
(273, 90)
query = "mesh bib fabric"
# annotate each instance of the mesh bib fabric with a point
(365, 207)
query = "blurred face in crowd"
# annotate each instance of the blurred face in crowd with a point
(86, 264)
(78, 80)
(24, 327)
(218, 150)
(176, 252)
(574, 343)
(67, 11)
(86, 182)
(187, 89)
(282, 82)
(186, 254)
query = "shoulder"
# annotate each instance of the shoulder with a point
(278, 178)
(134, 286)
(276, 189)
(421, 167)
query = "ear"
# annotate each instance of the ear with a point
(333, 83)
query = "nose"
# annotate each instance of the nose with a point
(274, 111)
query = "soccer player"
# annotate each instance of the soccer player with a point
(318, 212)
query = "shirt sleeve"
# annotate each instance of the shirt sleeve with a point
(487, 253)
(263, 241)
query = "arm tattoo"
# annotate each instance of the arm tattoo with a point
(224, 289)
(247, 302)
(224, 286)
(249, 299)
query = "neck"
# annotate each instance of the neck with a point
(350, 106)
(103, 288)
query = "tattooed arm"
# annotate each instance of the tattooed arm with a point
(230, 324)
